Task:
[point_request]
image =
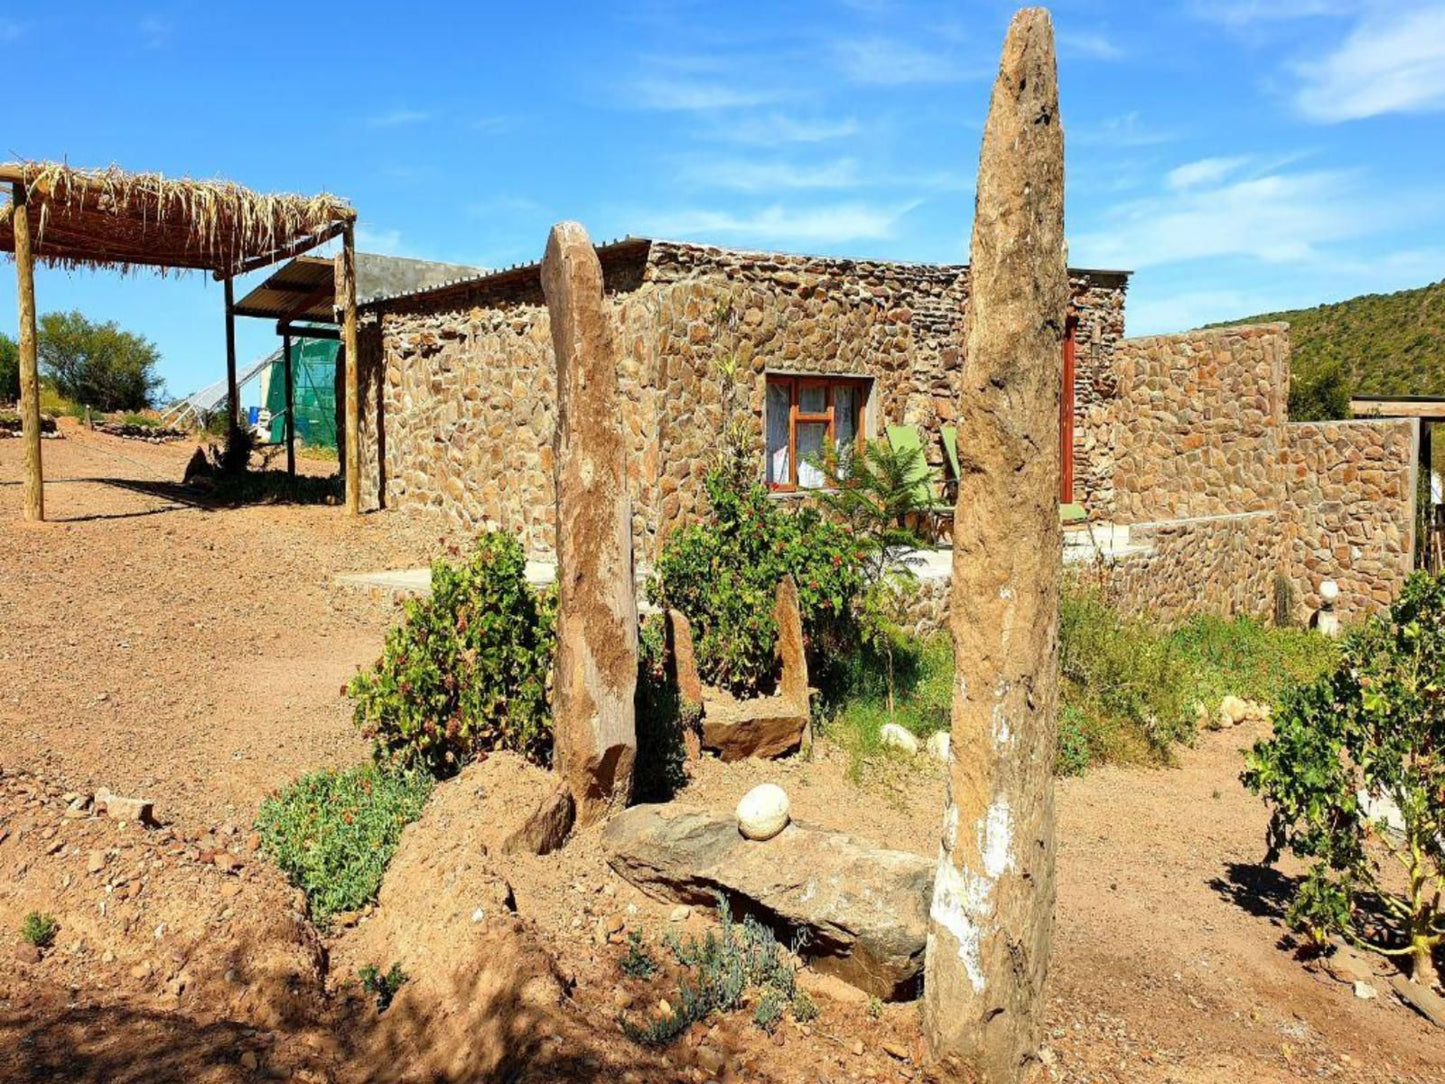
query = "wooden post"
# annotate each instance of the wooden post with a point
(29, 375)
(346, 301)
(290, 408)
(233, 405)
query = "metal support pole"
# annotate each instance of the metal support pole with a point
(290, 409)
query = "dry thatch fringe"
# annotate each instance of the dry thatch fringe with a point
(219, 223)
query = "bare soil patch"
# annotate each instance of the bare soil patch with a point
(156, 647)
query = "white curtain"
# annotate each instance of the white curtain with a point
(779, 403)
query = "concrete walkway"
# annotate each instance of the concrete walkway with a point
(1081, 545)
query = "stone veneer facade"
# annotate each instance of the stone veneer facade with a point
(1225, 497)
(458, 383)
(1185, 438)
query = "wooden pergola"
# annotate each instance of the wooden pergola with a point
(67, 217)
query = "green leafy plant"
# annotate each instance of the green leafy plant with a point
(720, 970)
(638, 963)
(875, 1008)
(874, 493)
(723, 574)
(467, 669)
(333, 832)
(384, 987)
(1354, 775)
(805, 1010)
(39, 929)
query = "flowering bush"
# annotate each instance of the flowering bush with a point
(723, 574)
(467, 669)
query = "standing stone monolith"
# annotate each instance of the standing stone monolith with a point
(596, 662)
(991, 919)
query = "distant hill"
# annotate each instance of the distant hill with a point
(1378, 344)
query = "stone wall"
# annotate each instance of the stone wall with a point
(1224, 565)
(1198, 423)
(1350, 510)
(466, 381)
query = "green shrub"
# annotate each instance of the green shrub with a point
(1365, 737)
(333, 832)
(720, 969)
(638, 963)
(384, 987)
(1246, 658)
(467, 669)
(723, 574)
(39, 929)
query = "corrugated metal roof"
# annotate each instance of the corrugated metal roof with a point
(304, 289)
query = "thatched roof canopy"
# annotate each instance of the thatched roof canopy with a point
(111, 218)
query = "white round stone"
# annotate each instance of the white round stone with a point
(1329, 591)
(938, 746)
(763, 812)
(897, 737)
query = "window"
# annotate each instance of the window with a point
(805, 416)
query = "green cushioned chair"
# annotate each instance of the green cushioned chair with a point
(936, 510)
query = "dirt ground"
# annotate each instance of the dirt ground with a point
(196, 656)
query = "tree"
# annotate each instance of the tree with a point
(98, 365)
(9, 369)
(1355, 777)
(991, 918)
(1321, 394)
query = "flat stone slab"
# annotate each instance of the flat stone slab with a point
(863, 909)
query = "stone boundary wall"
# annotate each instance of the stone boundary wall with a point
(1350, 510)
(1198, 423)
(458, 401)
(1223, 565)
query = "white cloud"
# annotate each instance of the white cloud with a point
(778, 224)
(749, 175)
(387, 242)
(879, 61)
(1249, 12)
(1391, 62)
(1095, 45)
(773, 128)
(1126, 130)
(155, 31)
(1278, 218)
(1203, 172)
(395, 118)
(687, 94)
(1151, 315)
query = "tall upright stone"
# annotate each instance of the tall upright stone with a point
(991, 919)
(596, 664)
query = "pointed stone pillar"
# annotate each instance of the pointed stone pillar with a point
(991, 919)
(596, 665)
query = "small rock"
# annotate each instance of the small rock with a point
(830, 987)
(1233, 710)
(27, 953)
(857, 1048)
(96, 862)
(938, 746)
(894, 736)
(621, 999)
(1365, 992)
(680, 913)
(227, 862)
(1046, 1056)
(1423, 1000)
(249, 1060)
(893, 1050)
(711, 1060)
(763, 812)
(133, 810)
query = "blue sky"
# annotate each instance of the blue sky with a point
(1239, 156)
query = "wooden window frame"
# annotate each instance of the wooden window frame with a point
(796, 416)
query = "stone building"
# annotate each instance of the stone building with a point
(1201, 494)
(791, 351)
